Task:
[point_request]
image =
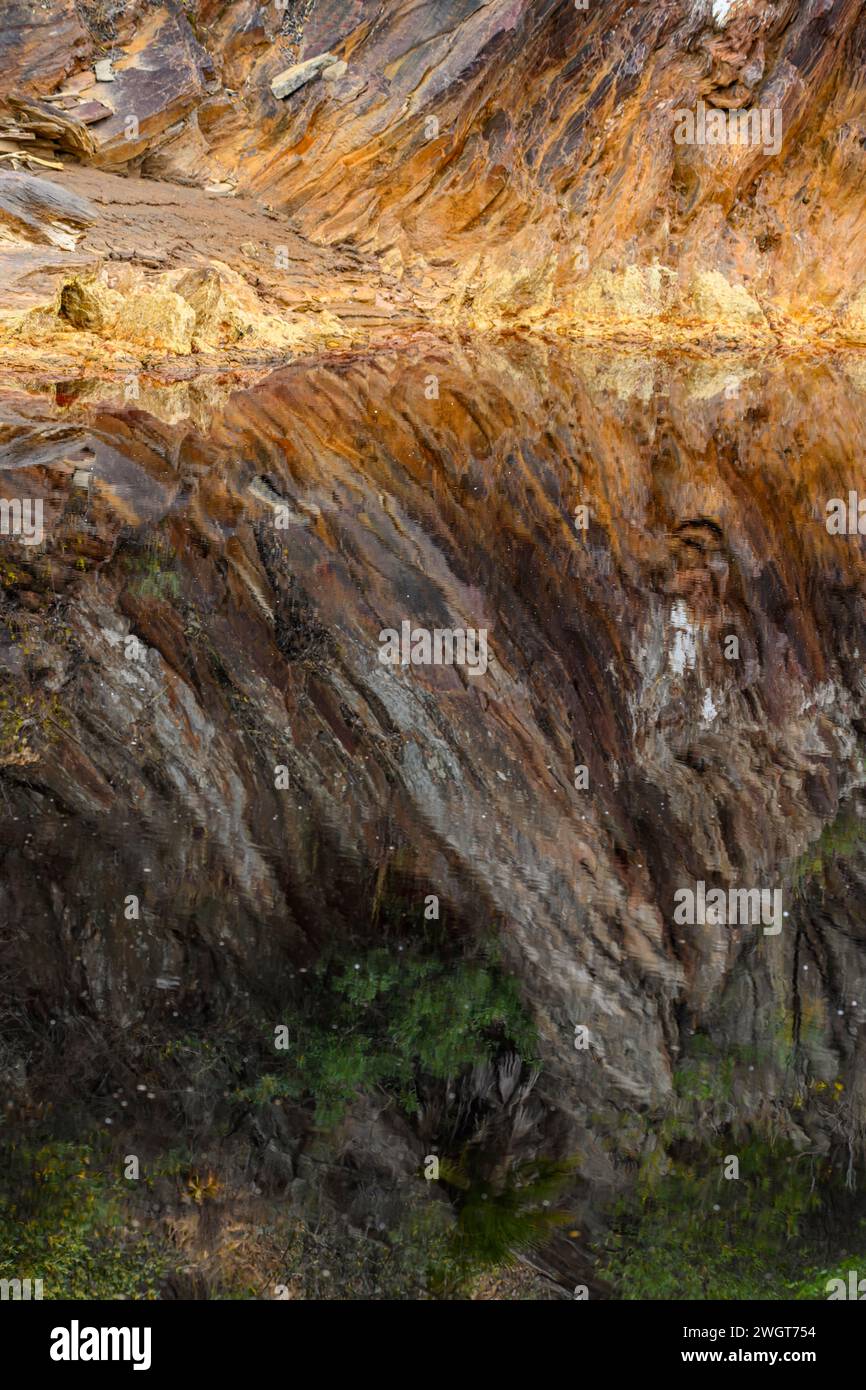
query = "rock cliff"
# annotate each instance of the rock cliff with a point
(318, 319)
(482, 165)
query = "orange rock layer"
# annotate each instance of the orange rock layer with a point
(481, 166)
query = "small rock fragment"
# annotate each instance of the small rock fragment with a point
(89, 304)
(89, 112)
(294, 77)
(202, 289)
(156, 317)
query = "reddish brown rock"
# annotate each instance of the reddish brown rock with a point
(40, 45)
(483, 152)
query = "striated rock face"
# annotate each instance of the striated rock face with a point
(609, 648)
(506, 163)
(40, 45)
(290, 301)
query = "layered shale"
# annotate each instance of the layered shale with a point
(426, 433)
(487, 166)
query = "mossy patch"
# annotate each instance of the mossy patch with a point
(62, 1221)
(387, 1018)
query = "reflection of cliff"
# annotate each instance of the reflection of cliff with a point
(488, 164)
(441, 487)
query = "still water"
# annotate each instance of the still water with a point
(489, 718)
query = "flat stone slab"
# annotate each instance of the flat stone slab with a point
(39, 211)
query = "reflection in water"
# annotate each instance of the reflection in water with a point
(635, 836)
